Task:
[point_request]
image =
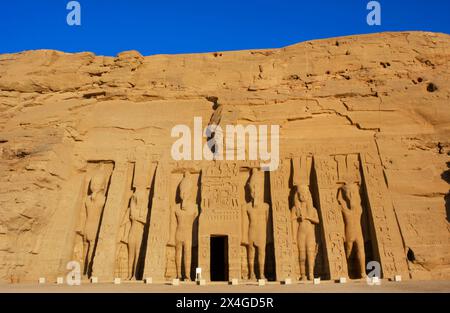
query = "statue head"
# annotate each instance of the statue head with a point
(97, 183)
(138, 196)
(303, 193)
(254, 184)
(351, 191)
(133, 200)
(186, 187)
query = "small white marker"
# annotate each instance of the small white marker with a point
(175, 282)
(198, 273)
(398, 278)
(375, 280)
(60, 280)
(342, 280)
(117, 281)
(261, 282)
(316, 281)
(235, 282)
(94, 280)
(288, 281)
(41, 280)
(149, 280)
(201, 282)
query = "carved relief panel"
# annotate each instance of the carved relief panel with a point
(389, 243)
(158, 234)
(134, 218)
(328, 178)
(345, 211)
(220, 215)
(307, 234)
(282, 231)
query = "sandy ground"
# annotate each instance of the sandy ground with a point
(296, 287)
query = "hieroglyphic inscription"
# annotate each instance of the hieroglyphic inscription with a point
(155, 260)
(279, 189)
(327, 176)
(388, 239)
(220, 214)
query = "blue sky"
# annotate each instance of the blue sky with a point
(174, 26)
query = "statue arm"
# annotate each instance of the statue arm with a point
(81, 218)
(142, 218)
(125, 216)
(294, 224)
(293, 214)
(244, 224)
(342, 202)
(87, 207)
(315, 217)
(143, 209)
(172, 227)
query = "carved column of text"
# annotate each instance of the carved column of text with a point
(155, 260)
(282, 234)
(387, 233)
(331, 217)
(220, 215)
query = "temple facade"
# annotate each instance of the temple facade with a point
(320, 214)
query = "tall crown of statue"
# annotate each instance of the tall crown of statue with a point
(97, 181)
(185, 186)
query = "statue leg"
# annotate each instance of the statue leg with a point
(137, 248)
(302, 255)
(178, 253)
(361, 257)
(85, 263)
(348, 248)
(129, 268)
(90, 255)
(131, 258)
(261, 261)
(311, 254)
(251, 260)
(187, 259)
(302, 259)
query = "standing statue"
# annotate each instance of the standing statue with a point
(122, 268)
(94, 204)
(258, 216)
(182, 222)
(138, 218)
(304, 218)
(350, 203)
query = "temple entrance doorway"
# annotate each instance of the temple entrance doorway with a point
(219, 258)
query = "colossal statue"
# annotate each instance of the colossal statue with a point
(182, 222)
(258, 216)
(94, 204)
(350, 204)
(304, 218)
(138, 218)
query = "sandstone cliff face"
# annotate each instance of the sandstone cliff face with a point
(58, 111)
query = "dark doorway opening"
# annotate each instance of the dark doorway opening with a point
(219, 258)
